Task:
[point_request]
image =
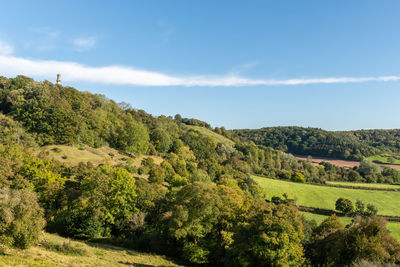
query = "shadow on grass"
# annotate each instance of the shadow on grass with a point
(135, 264)
(102, 245)
(118, 245)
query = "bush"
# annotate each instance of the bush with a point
(156, 174)
(82, 224)
(21, 218)
(298, 177)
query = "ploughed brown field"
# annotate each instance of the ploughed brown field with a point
(341, 162)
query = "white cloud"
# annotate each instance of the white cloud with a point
(84, 43)
(6, 49)
(120, 75)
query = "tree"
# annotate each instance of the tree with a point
(132, 137)
(156, 174)
(202, 219)
(298, 177)
(270, 236)
(21, 218)
(368, 211)
(105, 205)
(367, 167)
(366, 239)
(328, 226)
(344, 205)
(161, 140)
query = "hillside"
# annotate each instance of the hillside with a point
(72, 156)
(215, 136)
(73, 163)
(335, 144)
(59, 251)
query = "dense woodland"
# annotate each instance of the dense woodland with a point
(353, 145)
(199, 204)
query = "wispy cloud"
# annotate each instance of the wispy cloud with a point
(84, 43)
(6, 49)
(46, 31)
(120, 75)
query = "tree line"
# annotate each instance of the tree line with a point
(354, 145)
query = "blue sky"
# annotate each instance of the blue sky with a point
(240, 64)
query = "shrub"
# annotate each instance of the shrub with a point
(21, 218)
(344, 205)
(298, 177)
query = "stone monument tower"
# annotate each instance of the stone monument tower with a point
(58, 79)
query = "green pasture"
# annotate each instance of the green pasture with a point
(386, 158)
(319, 196)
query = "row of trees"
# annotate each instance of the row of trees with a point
(317, 142)
(347, 207)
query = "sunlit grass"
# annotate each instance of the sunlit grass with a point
(387, 202)
(79, 254)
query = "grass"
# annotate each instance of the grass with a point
(385, 158)
(394, 227)
(387, 202)
(213, 135)
(319, 218)
(72, 155)
(78, 253)
(383, 186)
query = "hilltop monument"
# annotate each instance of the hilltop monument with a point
(58, 81)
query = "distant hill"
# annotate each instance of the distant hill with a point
(317, 142)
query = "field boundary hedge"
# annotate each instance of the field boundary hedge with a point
(357, 187)
(328, 212)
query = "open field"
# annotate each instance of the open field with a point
(394, 227)
(366, 185)
(342, 163)
(319, 218)
(217, 137)
(72, 155)
(387, 202)
(77, 253)
(385, 158)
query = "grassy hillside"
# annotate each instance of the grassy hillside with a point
(216, 137)
(59, 251)
(72, 155)
(325, 197)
